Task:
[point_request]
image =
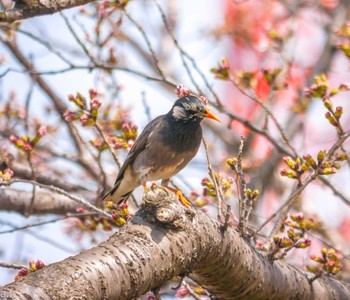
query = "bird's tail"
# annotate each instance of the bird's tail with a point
(110, 196)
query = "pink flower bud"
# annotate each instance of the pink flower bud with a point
(80, 210)
(8, 172)
(124, 205)
(41, 131)
(181, 91)
(344, 86)
(84, 119)
(13, 138)
(194, 194)
(204, 100)
(92, 93)
(95, 103)
(71, 97)
(27, 147)
(69, 116)
(39, 264)
(182, 292)
(126, 127)
(117, 145)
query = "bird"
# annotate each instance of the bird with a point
(164, 147)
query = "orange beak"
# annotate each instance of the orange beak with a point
(208, 114)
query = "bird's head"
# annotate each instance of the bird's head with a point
(191, 109)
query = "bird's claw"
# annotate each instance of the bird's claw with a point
(182, 198)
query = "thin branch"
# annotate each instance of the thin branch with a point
(311, 178)
(267, 110)
(184, 54)
(7, 265)
(150, 48)
(43, 238)
(77, 215)
(217, 187)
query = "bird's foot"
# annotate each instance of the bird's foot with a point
(180, 196)
(145, 187)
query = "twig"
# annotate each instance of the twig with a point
(156, 294)
(218, 193)
(77, 215)
(268, 111)
(103, 136)
(145, 37)
(185, 54)
(146, 107)
(227, 218)
(192, 293)
(311, 178)
(4, 264)
(43, 238)
(31, 205)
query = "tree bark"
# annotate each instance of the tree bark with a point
(46, 202)
(165, 239)
(29, 9)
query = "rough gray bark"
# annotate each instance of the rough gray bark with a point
(46, 202)
(165, 239)
(33, 8)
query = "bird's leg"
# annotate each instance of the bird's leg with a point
(145, 188)
(179, 195)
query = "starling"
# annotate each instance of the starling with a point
(164, 147)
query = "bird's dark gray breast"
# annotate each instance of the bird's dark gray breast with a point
(169, 149)
(181, 137)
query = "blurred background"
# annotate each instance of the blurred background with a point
(131, 55)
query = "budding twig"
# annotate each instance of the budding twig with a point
(218, 191)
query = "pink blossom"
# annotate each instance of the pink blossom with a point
(27, 147)
(126, 127)
(134, 127)
(204, 100)
(41, 131)
(182, 91)
(39, 264)
(182, 292)
(97, 142)
(345, 86)
(194, 194)
(118, 145)
(13, 138)
(84, 119)
(124, 205)
(8, 172)
(95, 103)
(80, 210)
(69, 116)
(71, 97)
(103, 9)
(259, 244)
(92, 93)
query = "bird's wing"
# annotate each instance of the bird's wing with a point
(140, 144)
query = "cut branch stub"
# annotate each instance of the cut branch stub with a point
(161, 206)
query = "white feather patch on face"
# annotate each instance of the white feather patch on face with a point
(179, 113)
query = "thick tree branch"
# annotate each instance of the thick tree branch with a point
(46, 202)
(166, 239)
(40, 8)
